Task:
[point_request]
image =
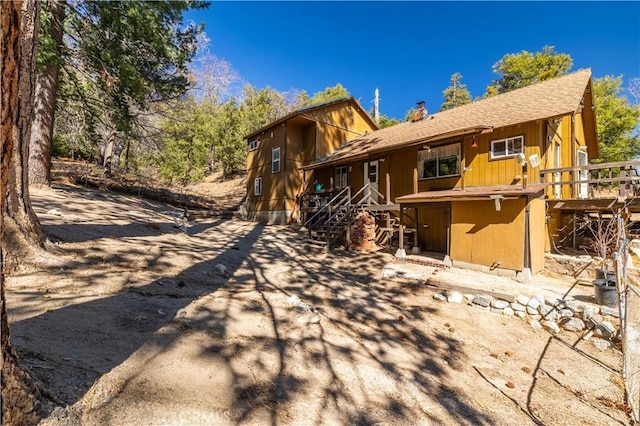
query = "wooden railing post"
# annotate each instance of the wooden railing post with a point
(388, 191)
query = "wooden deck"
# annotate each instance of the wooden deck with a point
(594, 187)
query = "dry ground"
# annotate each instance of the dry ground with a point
(141, 328)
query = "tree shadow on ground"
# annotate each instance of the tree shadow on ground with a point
(370, 347)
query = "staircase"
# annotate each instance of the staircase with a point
(332, 222)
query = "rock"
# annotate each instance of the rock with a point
(549, 313)
(535, 325)
(523, 300)
(167, 282)
(482, 300)
(572, 324)
(594, 320)
(554, 301)
(533, 304)
(293, 300)
(496, 310)
(454, 297)
(601, 343)
(469, 297)
(508, 311)
(54, 212)
(551, 326)
(565, 313)
(499, 304)
(440, 297)
(605, 329)
(588, 312)
(222, 269)
(540, 298)
(532, 311)
(612, 312)
(535, 317)
(520, 314)
(314, 319)
(518, 307)
(575, 305)
(587, 335)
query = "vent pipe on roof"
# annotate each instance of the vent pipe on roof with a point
(421, 112)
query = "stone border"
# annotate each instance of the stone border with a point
(549, 314)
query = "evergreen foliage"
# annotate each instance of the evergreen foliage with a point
(456, 94)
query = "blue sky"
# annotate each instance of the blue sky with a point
(408, 50)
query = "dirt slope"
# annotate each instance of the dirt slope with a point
(143, 327)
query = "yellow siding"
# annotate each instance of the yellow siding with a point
(259, 165)
(484, 236)
(537, 236)
(502, 171)
(301, 139)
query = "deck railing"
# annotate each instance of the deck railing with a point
(606, 180)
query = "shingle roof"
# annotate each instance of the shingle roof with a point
(547, 99)
(312, 108)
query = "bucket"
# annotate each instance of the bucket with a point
(606, 294)
(608, 275)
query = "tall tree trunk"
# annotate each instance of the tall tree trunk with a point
(45, 102)
(18, 404)
(23, 228)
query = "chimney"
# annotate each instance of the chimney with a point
(421, 112)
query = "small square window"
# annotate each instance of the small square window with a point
(507, 147)
(253, 145)
(275, 160)
(257, 186)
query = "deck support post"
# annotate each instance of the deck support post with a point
(401, 253)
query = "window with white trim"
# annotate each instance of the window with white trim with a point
(275, 160)
(341, 177)
(508, 147)
(440, 161)
(253, 145)
(257, 186)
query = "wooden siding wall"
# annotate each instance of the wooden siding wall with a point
(259, 164)
(485, 171)
(484, 236)
(336, 125)
(300, 151)
(537, 234)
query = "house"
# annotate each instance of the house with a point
(466, 182)
(278, 151)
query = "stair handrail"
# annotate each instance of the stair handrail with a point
(327, 207)
(369, 199)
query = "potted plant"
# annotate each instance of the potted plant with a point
(604, 236)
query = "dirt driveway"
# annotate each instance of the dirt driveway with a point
(143, 327)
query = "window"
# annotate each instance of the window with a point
(507, 147)
(257, 186)
(275, 160)
(341, 177)
(439, 161)
(253, 145)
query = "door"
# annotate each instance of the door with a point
(434, 221)
(583, 175)
(372, 175)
